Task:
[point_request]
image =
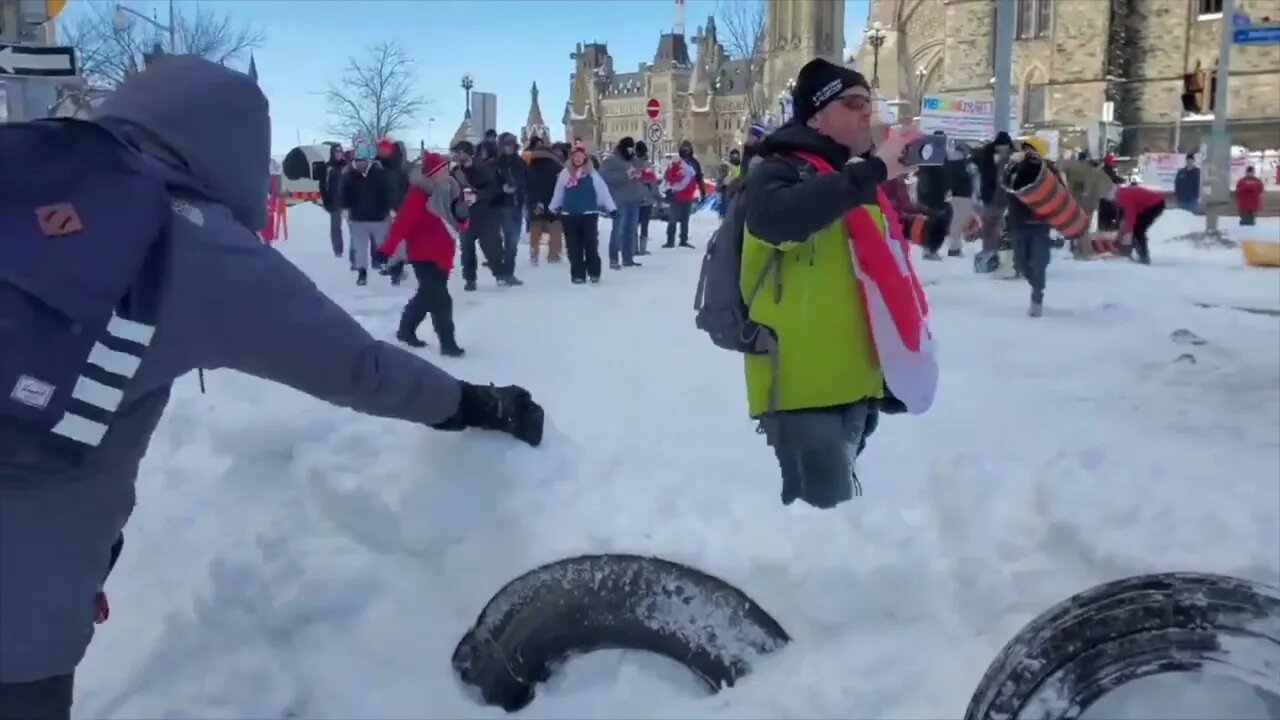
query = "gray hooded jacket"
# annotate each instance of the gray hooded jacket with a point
(625, 190)
(230, 302)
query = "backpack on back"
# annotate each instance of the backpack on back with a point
(81, 217)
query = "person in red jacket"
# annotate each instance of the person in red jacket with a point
(434, 211)
(681, 179)
(1249, 197)
(1138, 208)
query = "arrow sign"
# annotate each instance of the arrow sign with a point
(35, 61)
(1256, 35)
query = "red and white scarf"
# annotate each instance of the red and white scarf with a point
(897, 311)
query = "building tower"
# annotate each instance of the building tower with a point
(796, 31)
(534, 125)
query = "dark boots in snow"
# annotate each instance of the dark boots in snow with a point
(362, 277)
(508, 409)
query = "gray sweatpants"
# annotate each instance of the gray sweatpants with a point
(816, 450)
(992, 227)
(364, 237)
(1031, 244)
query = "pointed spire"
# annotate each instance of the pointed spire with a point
(253, 67)
(534, 124)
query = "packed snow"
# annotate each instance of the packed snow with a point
(291, 559)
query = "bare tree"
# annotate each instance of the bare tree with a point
(112, 45)
(744, 39)
(375, 95)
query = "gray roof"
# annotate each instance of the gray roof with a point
(734, 74)
(625, 84)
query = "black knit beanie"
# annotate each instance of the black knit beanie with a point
(819, 83)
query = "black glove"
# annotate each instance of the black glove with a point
(509, 409)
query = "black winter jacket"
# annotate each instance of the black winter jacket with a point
(511, 170)
(988, 174)
(540, 179)
(959, 182)
(481, 178)
(331, 185)
(931, 187)
(366, 197)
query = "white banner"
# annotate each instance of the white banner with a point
(966, 118)
(1159, 169)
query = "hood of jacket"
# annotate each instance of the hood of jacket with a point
(208, 122)
(795, 137)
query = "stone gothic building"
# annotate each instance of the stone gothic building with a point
(707, 97)
(1154, 59)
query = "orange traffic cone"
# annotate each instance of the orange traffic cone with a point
(1043, 193)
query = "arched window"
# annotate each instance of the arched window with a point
(1034, 97)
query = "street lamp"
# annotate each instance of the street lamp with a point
(468, 82)
(121, 19)
(876, 35)
(920, 73)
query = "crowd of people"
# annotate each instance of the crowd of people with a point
(496, 194)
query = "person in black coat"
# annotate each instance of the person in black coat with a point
(540, 184)
(366, 196)
(990, 159)
(331, 196)
(484, 226)
(512, 171)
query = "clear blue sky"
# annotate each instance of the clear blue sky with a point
(506, 44)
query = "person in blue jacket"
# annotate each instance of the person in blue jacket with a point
(1186, 185)
(223, 299)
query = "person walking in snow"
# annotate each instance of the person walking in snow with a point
(1032, 243)
(395, 169)
(989, 160)
(331, 197)
(544, 167)
(648, 179)
(1186, 185)
(809, 213)
(512, 176)
(623, 178)
(683, 180)
(366, 196)
(221, 298)
(1249, 191)
(579, 196)
(427, 224)
(484, 226)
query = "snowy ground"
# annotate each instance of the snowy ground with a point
(290, 559)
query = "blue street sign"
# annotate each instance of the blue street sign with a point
(1240, 20)
(1257, 35)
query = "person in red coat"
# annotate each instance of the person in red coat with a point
(434, 211)
(1139, 207)
(1249, 196)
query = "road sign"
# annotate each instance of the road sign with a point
(653, 132)
(1256, 35)
(37, 61)
(1240, 20)
(653, 108)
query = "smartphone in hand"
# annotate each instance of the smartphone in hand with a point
(927, 151)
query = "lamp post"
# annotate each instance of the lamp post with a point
(468, 82)
(120, 18)
(876, 36)
(920, 74)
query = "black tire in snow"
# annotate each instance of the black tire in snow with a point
(1082, 648)
(593, 602)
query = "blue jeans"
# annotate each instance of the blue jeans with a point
(816, 450)
(622, 239)
(511, 219)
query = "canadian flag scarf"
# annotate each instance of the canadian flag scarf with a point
(897, 311)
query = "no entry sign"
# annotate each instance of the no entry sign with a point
(653, 108)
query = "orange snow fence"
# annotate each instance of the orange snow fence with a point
(1045, 195)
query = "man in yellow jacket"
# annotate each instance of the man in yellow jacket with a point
(819, 396)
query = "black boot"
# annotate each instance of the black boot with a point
(362, 277)
(470, 286)
(508, 409)
(410, 338)
(449, 348)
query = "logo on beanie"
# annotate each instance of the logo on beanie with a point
(828, 91)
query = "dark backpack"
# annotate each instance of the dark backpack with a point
(82, 215)
(722, 311)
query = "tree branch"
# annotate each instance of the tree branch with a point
(744, 39)
(375, 95)
(111, 47)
